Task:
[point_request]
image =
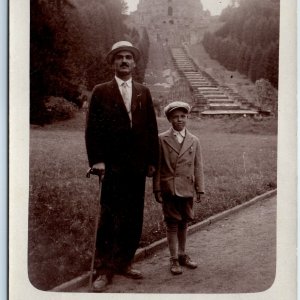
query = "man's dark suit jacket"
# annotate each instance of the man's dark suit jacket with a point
(127, 152)
(109, 137)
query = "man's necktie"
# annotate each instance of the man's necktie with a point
(126, 98)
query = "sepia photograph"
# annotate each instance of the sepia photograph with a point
(158, 156)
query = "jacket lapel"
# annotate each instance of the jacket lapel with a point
(187, 143)
(118, 99)
(116, 94)
(169, 138)
(135, 99)
(136, 96)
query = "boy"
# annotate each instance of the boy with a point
(179, 175)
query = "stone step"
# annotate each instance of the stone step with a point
(213, 92)
(193, 73)
(199, 96)
(185, 66)
(200, 102)
(197, 109)
(180, 55)
(195, 79)
(198, 82)
(208, 95)
(229, 112)
(198, 79)
(200, 99)
(183, 61)
(177, 58)
(205, 83)
(224, 106)
(181, 58)
(207, 87)
(219, 101)
(216, 97)
(194, 76)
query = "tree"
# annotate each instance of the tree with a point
(271, 63)
(68, 46)
(248, 40)
(48, 53)
(255, 66)
(267, 96)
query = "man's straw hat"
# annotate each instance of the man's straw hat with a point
(122, 46)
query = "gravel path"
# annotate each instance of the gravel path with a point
(235, 255)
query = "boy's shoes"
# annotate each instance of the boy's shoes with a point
(175, 267)
(101, 284)
(132, 273)
(185, 260)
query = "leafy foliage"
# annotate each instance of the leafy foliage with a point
(248, 40)
(59, 109)
(266, 95)
(69, 40)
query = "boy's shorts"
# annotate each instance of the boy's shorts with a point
(177, 208)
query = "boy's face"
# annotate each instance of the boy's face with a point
(178, 119)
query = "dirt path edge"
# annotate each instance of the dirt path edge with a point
(142, 253)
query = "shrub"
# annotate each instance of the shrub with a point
(59, 109)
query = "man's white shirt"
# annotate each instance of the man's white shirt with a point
(126, 92)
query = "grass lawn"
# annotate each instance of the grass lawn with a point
(240, 162)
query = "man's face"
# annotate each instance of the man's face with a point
(123, 63)
(178, 119)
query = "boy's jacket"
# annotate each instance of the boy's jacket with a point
(180, 170)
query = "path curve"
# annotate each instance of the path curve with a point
(236, 254)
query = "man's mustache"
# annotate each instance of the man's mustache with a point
(124, 64)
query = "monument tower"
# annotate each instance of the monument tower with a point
(171, 22)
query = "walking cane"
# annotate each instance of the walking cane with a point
(90, 172)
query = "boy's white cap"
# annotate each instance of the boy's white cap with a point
(175, 105)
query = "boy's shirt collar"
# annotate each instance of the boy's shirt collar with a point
(179, 135)
(182, 132)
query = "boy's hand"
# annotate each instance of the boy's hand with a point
(158, 197)
(150, 171)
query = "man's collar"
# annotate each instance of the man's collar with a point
(120, 81)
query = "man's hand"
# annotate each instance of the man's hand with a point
(99, 167)
(158, 197)
(150, 171)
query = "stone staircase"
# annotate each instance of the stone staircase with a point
(208, 97)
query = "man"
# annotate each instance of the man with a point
(122, 146)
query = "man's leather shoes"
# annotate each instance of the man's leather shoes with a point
(132, 273)
(100, 284)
